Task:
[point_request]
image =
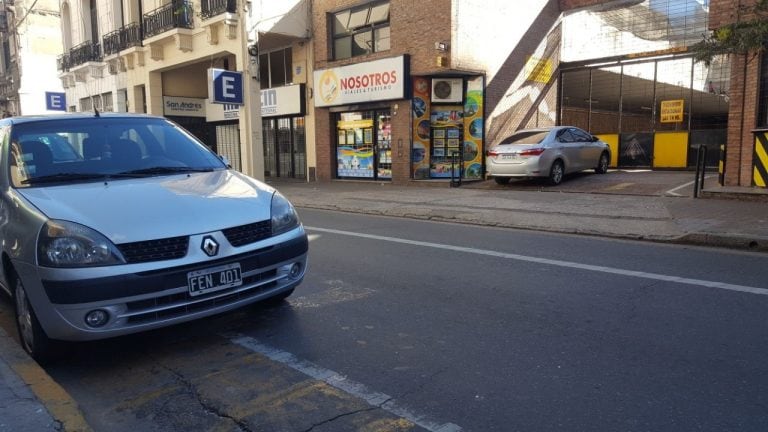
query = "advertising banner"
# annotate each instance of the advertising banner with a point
(376, 80)
(421, 128)
(473, 129)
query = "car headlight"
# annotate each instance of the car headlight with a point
(67, 244)
(284, 216)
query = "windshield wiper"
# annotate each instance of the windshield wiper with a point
(62, 177)
(165, 170)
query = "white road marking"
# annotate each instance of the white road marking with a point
(672, 191)
(341, 382)
(559, 263)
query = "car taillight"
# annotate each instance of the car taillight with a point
(532, 152)
(491, 153)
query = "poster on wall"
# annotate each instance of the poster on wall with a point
(635, 149)
(472, 151)
(421, 128)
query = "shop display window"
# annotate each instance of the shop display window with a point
(364, 145)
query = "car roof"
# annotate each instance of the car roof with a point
(543, 129)
(71, 116)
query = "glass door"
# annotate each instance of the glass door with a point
(447, 135)
(384, 145)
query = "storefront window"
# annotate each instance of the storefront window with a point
(361, 30)
(363, 145)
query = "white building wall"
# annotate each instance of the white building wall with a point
(109, 20)
(485, 32)
(39, 43)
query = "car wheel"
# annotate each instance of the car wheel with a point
(556, 173)
(602, 164)
(31, 334)
(501, 180)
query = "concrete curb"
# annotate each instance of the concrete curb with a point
(40, 403)
(726, 241)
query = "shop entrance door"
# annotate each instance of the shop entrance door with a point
(285, 150)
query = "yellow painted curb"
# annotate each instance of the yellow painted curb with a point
(56, 400)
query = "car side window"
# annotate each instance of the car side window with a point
(565, 136)
(581, 136)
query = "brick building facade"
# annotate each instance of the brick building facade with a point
(522, 81)
(741, 162)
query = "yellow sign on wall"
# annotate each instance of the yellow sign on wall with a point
(672, 111)
(538, 70)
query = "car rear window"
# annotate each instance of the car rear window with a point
(526, 137)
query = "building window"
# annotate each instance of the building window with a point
(361, 30)
(275, 68)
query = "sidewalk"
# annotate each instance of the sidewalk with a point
(30, 401)
(737, 224)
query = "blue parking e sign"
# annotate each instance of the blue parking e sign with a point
(227, 87)
(55, 101)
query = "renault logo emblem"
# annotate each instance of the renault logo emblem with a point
(209, 246)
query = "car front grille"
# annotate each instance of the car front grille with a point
(154, 250)
(176, 247)
(181, 304)
(247, 234)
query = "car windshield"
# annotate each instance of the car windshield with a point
(526, 137)
(86, 149)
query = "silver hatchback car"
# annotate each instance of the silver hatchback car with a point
(116, 223)
(547, 152)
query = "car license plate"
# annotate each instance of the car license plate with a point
(509, 156)
(214, 279)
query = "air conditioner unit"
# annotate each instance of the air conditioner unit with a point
(447, 90)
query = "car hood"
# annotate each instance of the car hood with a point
(129, 210)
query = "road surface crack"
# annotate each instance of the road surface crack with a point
(330, 420)
(208, 408)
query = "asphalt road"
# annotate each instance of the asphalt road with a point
(413, 325)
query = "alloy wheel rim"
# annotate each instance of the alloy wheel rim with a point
(603, 162)
(24, 316)
(558, 173)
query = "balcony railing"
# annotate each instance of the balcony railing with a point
(112, 43)
(211, 8)
(177, 14)
(122, 38)
(83, 53)
(63, 62)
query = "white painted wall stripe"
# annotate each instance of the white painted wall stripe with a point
(341, 382)
(579, 266)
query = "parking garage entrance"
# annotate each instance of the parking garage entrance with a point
(654, 113)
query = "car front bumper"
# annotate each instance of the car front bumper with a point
(157, 295)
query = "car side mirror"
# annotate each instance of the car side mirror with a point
(225, 160)
(595, 139)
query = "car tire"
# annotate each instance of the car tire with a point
(31, 335)
(556, 173)
(501, 180)
(602, 164)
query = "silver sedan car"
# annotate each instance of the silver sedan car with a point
(115, 224)
(547, 152)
